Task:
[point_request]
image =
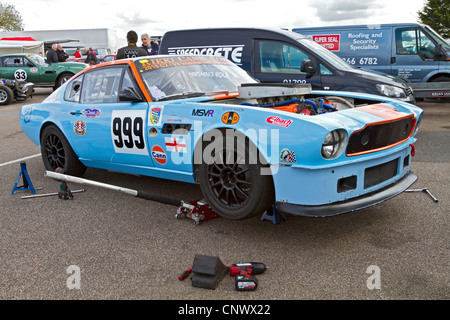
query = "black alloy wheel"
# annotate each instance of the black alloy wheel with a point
(233, 185)
(57, 152)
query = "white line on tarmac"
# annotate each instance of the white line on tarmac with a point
(19, 160)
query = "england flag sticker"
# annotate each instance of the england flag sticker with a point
(175, 145)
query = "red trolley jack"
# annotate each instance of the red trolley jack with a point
(198, 211)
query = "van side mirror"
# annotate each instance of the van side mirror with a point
(440, 54)
(128, 94)
(307, 66)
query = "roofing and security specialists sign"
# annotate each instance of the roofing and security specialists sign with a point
(231, 52)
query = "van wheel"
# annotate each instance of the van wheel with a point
(233, 186)
(441, 79)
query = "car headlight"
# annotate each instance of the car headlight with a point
(334, 144)
(391, 91)
(418, 122)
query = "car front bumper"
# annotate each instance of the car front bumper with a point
(350, 205)
(340, 187)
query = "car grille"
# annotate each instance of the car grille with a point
(378, 174)
(379, 136)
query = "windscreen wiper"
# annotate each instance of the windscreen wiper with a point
(182, 95)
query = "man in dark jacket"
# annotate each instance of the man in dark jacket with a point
(91, 56)
(62, 55)
(52, 56)
(132, 50)
(155, 48)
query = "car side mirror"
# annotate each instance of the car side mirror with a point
(307, 66)
(129, 94)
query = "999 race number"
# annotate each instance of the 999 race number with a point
(127, 132)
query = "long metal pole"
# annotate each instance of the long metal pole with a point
(131, 192)
(67, 178)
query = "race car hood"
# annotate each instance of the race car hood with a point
(369, 114)
(67, 65)
(376, 121)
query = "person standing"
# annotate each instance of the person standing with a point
(146, 43)
(132, 50)
(52, 56)
(62, 55)
(91, 56)
(78, 53)
(155, 47)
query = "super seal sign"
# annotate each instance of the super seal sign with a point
(329, 41)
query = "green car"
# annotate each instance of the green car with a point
(31, 67)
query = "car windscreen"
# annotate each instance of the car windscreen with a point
(38, 60)
(188, 76)
(326, 54)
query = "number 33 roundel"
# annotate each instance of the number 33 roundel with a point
(20, 75)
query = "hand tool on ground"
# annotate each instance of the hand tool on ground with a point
(423, 190)
(185, 274)
(247, 268)
(245, 275)
(49, 194)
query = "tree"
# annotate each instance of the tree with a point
(10, 19)
(436, 14)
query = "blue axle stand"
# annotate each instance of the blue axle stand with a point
(273, 215)
(27, 185)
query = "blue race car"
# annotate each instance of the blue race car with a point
(202, 119)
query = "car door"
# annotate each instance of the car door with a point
(9, 66)
(413, 54)
(18, 68)
(103, 127)
(278, 61)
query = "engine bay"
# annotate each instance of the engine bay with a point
(296, 98)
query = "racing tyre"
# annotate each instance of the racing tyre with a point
(57, 152)
(234, 188)
(6, 95)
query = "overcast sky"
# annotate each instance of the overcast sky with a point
(158, 16)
